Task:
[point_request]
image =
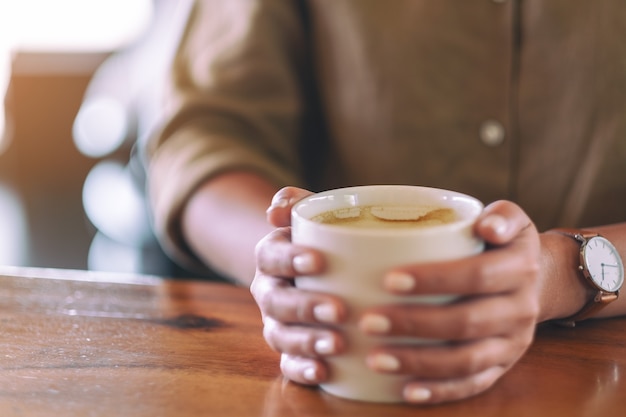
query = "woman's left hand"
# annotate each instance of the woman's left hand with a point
(489, 327)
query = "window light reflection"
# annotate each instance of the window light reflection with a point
(13, 225)
(75, 25)
(66, 26)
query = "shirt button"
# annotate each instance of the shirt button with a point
(491, 133)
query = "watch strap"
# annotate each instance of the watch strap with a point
(592, 306)
(576, 234)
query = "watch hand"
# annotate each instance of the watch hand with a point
(613, 281)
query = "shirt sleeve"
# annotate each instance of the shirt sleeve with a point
(233, 103)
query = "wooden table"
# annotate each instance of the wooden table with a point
(77, 343)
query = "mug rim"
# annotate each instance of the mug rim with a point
(441, 193)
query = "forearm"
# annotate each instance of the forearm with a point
(225, 219)
(563, 291)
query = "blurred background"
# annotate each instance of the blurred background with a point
(79, 87)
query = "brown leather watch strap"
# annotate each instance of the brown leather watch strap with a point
(579, 235)
(594, 305)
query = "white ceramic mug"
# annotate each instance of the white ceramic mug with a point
(357, 259)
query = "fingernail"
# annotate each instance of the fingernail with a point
(303, 263)
(399, 281)
(375, 323)
(325, 346)
(497, 223)
(279, 203)
(383, 362)
(417, 394)
(310, 374)
(275, 204)
(325, 313)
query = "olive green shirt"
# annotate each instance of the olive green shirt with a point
(520, 100)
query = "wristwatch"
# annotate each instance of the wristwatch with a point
(601, 268)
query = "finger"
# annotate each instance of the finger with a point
(435, 392)
(501, 222)
(305, 371)
(491, 272)
(464, 320)
(310, 342)
(278, 299)
(277, 256)
(449, 361)
(279, 211)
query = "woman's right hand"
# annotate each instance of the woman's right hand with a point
(296, 322)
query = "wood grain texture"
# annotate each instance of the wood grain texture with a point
(74, 343)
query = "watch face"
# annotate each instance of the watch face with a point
(604, 264)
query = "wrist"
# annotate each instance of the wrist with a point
(562, 291)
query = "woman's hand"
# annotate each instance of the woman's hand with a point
(490, 326)
(293, 319)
